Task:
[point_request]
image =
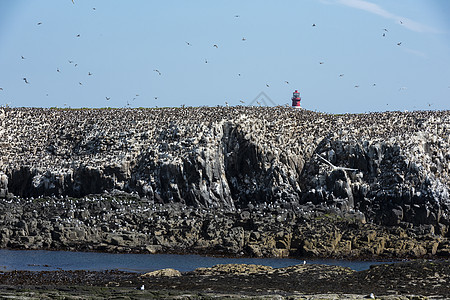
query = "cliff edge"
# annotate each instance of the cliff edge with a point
(392, 168)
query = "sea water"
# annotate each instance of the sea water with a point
(41, 260)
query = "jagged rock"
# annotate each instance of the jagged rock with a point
(229, 156)
(163, 273)
(243, 169)
(232, 269)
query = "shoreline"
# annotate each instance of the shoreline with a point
(398, 281)
(123, 224)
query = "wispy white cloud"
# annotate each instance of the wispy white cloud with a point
(378, 10)
(415, 52)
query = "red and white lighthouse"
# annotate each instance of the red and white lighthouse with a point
(296, 99)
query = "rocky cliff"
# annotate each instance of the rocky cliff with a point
(392, 167)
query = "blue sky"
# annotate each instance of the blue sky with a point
(82, 54)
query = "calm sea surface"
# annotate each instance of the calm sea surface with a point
(39, 260)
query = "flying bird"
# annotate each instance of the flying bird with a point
(384, 34)
(341, 75)
(80, 83)
(188, 43)
(57, 70)
(78, 35)
(313, 25)
(267, 85)
(107, 98)
(156, 98)
(89, 73)
(241, 101)
(244, 39)
(236, 16)
(399, 43)
(385, 29)
(25, 79)
(73, 2)
(70, 61)
(356, 86)
(215, 46)
(321, 63)
(1, 89)
(157, 71)
(22, 57)
(39, 23)
(206, 61)
(287, 82)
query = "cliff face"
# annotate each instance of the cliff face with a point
(394, 167)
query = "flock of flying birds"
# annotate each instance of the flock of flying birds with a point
(26, 80)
